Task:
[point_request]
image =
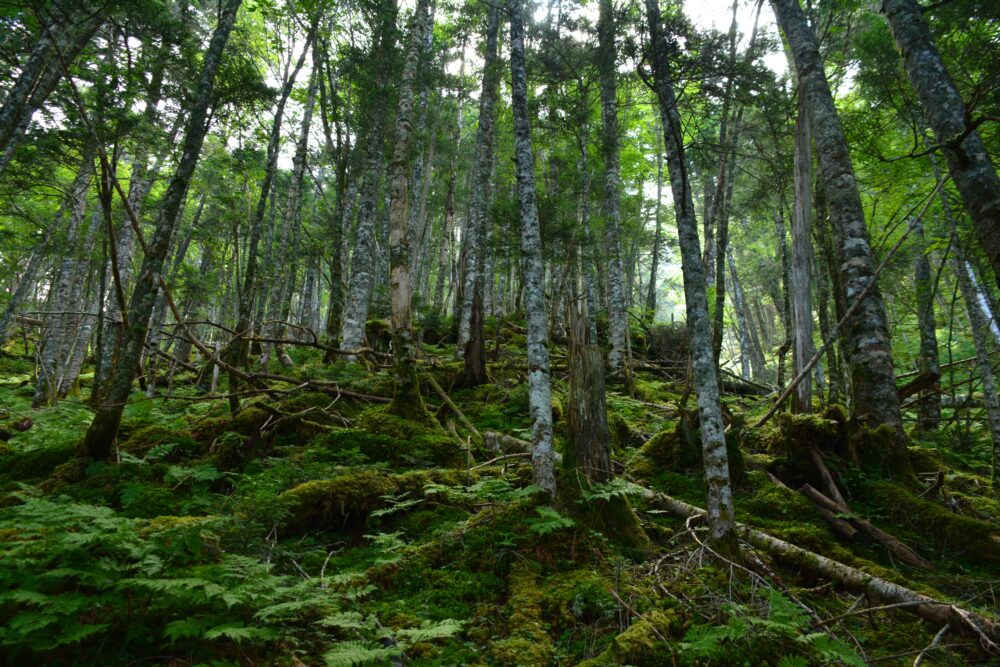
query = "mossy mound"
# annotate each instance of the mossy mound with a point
(641, 643)
(678, 448)
(141, 440)
(527, 641)
(344, 502)
(977, 539)
(34, 464)
(358, 445)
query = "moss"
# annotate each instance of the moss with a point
(623, 434)
(640, 643)
(926, 459)
(772, 501)
(528, 641)
(380, 421)
(885, 449)
(65, 474)
(975, 538)
(35, 464)
(344, 502)
(678, 448)
(148, 502)
(144, 438)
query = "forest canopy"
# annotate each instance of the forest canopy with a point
(499, 332)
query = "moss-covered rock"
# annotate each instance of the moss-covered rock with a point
(141, 440)
(35, 464)
(344, 502)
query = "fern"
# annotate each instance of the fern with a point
(549, 521)
(348, 654)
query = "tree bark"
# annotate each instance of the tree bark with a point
(617, 298)
(539, 387)
(969, 164)
(875, 400)
(102, 431)
(406, 399)
(720, 498)
(801, 277)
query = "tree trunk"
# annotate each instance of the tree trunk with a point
(875, 399)
(784, 303)
(59, 329)
(969, 164)
(617, 298)
(801, 278)
(102, 431)
(482, 169)
(657, 238)
(539, 387)
(406, 399)
(720, 497)
(59, 44)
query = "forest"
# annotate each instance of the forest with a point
(496, 332)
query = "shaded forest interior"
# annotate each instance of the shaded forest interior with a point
(499, 333)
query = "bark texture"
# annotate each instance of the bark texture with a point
(801, 276)
(102, 431)
(539, 383)
(617, 298)
(406, 399)
(969, 164)
(713, 440)
(875, 399)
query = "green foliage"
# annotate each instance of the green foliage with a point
(783, 628)
(549, 520)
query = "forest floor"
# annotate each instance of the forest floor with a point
(316, 529)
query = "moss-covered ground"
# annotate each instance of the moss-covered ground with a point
(317, 529)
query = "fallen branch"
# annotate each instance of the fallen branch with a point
(935, 611)
(451, 405)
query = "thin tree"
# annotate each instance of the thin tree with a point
(539, 383)
(721, 517)
(406, 399)
(969, 164)
(102, 431)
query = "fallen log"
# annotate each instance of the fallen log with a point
(985, 629)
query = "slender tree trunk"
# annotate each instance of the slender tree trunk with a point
(59, 320)
(720, 498)
(248, 293)
(539, 387)
(617, 309)
(25, 284)
(929, 408)
(470, 337)
(785, 304)
(657, 237)
(801, 278)
(969, 164)
(748, 360)
(58, 46)
(100, 436)
(406, 399)
(875, 398)
(363, 258)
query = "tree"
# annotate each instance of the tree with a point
(539, 387)
(102, 431)
(617, 299)
(406, 400)
(875, 398)
(969, 163)
(713, 440)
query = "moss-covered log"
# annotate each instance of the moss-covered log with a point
(936, 611)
